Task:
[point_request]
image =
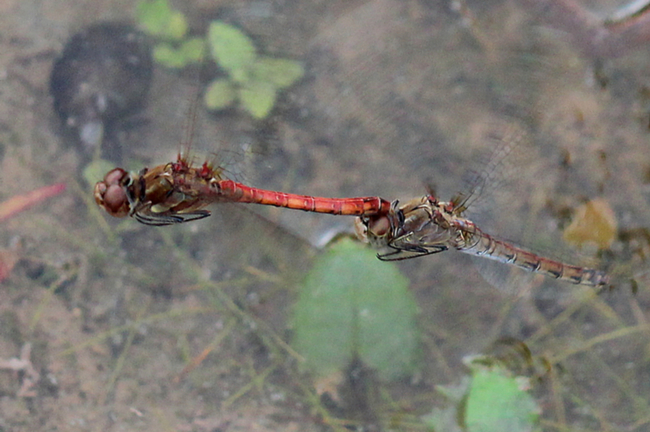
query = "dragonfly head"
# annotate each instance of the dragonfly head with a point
(111, 194)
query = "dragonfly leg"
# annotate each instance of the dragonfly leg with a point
(409, 251)
(162, 219)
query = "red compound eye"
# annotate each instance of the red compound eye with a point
(110, 194)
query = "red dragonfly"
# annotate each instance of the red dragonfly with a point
(425, 226)
(178, 192)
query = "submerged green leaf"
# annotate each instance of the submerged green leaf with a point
(279, 72)
(220, 94)
(353, 305)
(168, 56)
(190, 51)
(490, 400)
(231, 48)
(177, 27)
(193, 49)
(498, 402)
(257, 98)
(157, 18)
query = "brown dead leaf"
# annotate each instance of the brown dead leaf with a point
(593, 223)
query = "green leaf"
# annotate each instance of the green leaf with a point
(257, 98)
(177, 26)
(220, 94)
(190, 51)
(279, 72)
(157, 18)
(230, 47)
(241, 76)
(499, 402)
(153, 15)
(168, 56)
(193, 49)
(353, 305)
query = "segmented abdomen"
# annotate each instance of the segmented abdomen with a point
(478, 243)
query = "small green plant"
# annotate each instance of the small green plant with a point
(169, 27)
(491, 400)
(252, 81)
(351, 306)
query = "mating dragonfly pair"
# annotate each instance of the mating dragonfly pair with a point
(178, 192)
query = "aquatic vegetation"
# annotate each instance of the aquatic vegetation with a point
(353, 306)
(252, 81)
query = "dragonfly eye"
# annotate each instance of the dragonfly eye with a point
(110, 194)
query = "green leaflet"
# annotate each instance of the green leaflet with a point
(353, 305)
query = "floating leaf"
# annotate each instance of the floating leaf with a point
(157, 18)
(280, 72)
(257, 98)
(220, 94)
(498, 402)
(594, 222)
(354, 306)
(230, 47)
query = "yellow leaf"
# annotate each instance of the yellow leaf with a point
(593, 223)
